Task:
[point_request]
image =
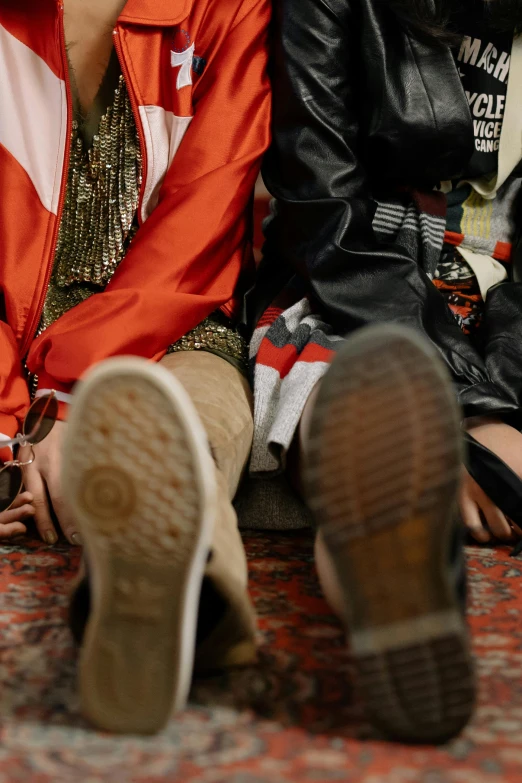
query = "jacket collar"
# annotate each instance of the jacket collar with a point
(157, 13)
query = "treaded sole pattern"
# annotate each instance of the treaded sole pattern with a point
(383, 473)
(132, 481)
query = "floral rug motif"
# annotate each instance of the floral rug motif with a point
(294, 717)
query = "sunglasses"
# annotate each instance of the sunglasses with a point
(38, 423)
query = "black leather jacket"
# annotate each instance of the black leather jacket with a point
(360, 106)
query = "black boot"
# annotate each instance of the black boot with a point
(383, 474)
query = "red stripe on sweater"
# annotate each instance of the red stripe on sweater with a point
(283, 359)
(452, 238)
(503, 251)
(270, 315)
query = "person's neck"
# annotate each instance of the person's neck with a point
(88, 34)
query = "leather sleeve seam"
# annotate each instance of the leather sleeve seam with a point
(433, 113)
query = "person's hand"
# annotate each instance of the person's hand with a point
(12, 520)
(42, 480)
(482, 518)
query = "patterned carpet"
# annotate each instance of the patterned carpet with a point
(293, 717)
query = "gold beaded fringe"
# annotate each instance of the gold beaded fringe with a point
(98, 220)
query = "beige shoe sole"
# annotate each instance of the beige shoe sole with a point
(140, 481)
(383, 475)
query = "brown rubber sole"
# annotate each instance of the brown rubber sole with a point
(383, 476)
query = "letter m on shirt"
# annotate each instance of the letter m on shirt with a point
(469, 51)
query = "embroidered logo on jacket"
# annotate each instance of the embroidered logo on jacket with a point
(182, 56)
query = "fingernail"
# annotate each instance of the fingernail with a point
(50, 538)
(76, 539)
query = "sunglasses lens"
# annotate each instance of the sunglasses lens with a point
(11, 480)
(40, 418)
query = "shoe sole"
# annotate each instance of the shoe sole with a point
(138, 478)
(383, 474)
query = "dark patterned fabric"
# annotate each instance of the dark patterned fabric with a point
(457, 283)
(294, 717)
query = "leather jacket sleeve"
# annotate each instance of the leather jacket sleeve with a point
(503, 338)
(323, 227)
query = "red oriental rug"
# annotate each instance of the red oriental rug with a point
(293, 718)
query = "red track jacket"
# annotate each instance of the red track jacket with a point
(196, 74)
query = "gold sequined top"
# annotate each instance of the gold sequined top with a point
(99, 221)
(99, 214)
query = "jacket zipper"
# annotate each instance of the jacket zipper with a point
(32, 329)
(137, 117)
